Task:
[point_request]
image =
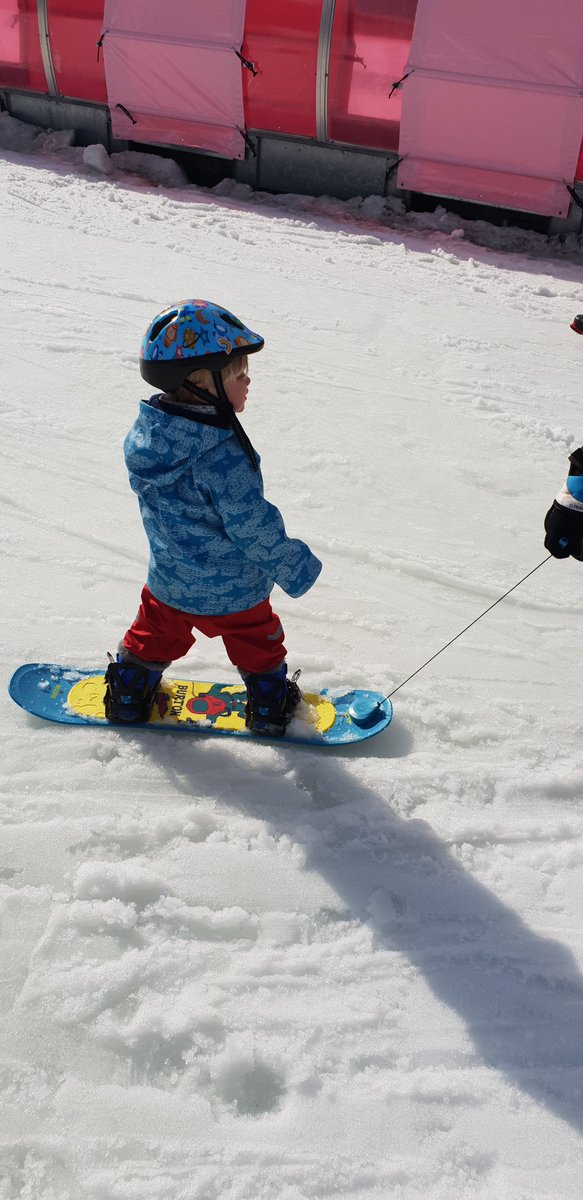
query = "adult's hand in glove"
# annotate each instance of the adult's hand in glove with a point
(564, 530)
(564, 520)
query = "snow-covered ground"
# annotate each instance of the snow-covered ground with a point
(245, 971)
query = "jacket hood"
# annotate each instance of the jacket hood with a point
(160, 445)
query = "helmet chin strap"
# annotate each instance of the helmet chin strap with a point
(221, 401)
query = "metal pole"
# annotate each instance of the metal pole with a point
(45, 47)
(323, 69)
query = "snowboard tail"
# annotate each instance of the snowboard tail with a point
(75, 697)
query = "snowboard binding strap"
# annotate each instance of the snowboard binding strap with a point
(130, 692)
(271, 701)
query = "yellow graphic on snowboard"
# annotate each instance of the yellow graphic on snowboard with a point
(208, 704)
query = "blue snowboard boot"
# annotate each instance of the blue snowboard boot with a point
(271, 701)
(130, 691)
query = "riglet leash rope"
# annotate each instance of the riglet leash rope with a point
(462, 631)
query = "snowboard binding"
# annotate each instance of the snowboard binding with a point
(271, 701)
(130, 692)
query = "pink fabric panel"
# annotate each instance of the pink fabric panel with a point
(545, 196)
(190, 20)
(160, 131)
(490, 116)
(500, 129)
(10, 32)
(528, 40)
(178, 90)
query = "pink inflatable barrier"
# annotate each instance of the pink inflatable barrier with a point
(481, 102)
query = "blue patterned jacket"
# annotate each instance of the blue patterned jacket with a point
(216, 545)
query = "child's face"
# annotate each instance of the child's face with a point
(236, 389)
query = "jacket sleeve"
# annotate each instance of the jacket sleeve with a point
(571, 494)
(256, 526)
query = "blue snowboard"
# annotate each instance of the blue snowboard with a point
(73, 697)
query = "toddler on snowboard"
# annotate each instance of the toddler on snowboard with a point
(217, 546)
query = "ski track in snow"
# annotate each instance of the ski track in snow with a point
(250, 971)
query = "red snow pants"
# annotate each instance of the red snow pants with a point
(253, 638)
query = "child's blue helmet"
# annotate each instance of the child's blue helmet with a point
(190, 336)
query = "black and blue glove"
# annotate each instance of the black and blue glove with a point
(564, 520)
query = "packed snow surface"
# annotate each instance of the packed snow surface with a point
(249, 971)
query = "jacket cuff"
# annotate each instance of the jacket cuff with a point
(567, 500)
(306, 580)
